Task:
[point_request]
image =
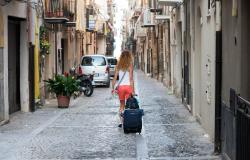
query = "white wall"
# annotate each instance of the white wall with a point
(1, 68)
(203, 59)
(24, 68)
(176, 37)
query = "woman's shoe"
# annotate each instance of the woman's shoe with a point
(121, 114)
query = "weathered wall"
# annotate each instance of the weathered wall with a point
(166, 55)
(1, 85)
(236, 73)
(18, 10)
(203, 62)
(231, 74)
(101, 44)
(50, 58)
(24, 67)
(176, 51)
(1, 67)
(245, 57)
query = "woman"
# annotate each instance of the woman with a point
(125, 85)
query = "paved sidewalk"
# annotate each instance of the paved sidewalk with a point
(170, 130)
(88, 130)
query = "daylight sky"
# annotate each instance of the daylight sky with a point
(120, 6)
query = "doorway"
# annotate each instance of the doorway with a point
(186, 59)
(149, 60)
(62, 55)
(14, 65)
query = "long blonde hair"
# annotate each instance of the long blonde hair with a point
(125, 61)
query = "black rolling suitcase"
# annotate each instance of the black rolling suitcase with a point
(132, 116)
(132, 120)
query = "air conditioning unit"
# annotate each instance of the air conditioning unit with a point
(147, 18)
(169, 2)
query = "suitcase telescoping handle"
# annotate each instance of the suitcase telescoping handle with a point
(133, 95)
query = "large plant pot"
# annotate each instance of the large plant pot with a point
(63, 101)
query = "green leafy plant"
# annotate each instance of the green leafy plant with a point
(44, 41)
(63, 85)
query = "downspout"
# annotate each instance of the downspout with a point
(31, 74)
(36, 60)
(55, 34)
(218, 79)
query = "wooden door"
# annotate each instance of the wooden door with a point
(14, 65)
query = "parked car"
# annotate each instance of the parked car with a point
(112, 61)
(98, 66)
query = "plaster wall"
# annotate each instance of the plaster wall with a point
(203, 35)
(17, 10)
(24, 67)
(101, 45)
(176, 37)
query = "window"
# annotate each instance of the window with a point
(93, 61)
(211, 5)
(112, 61)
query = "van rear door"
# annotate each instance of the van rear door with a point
(94, 64)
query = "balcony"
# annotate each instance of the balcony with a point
(60, 12)
(169, 2)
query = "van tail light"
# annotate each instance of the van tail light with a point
(80, 70)
(107, 69)
(91, 77)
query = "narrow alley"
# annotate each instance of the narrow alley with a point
(191, 63)
(88, 129)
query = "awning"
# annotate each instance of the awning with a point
(56, 20)
(169, 2)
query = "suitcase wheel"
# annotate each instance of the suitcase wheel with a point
(126, 131)
(139, 131)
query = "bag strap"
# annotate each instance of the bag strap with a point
(121, 79)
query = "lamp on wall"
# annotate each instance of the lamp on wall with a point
(235, 8)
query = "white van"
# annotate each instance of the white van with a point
(98, 66)
(112, 63)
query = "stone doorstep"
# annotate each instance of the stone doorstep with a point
(50, 103)
(4, 122)
(53, 102)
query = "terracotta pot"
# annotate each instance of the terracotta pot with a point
(63, 101)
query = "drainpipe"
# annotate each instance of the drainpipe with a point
(56, 54)
(218, 79)
(36, 60)
(31, 73)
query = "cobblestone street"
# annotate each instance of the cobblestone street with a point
(88, 130)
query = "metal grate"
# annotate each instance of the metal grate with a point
(243, 129)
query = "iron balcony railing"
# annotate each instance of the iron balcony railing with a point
(243, 129)
(60, 9)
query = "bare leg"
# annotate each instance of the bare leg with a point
(122, 106)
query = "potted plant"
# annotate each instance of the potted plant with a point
(64, 86)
